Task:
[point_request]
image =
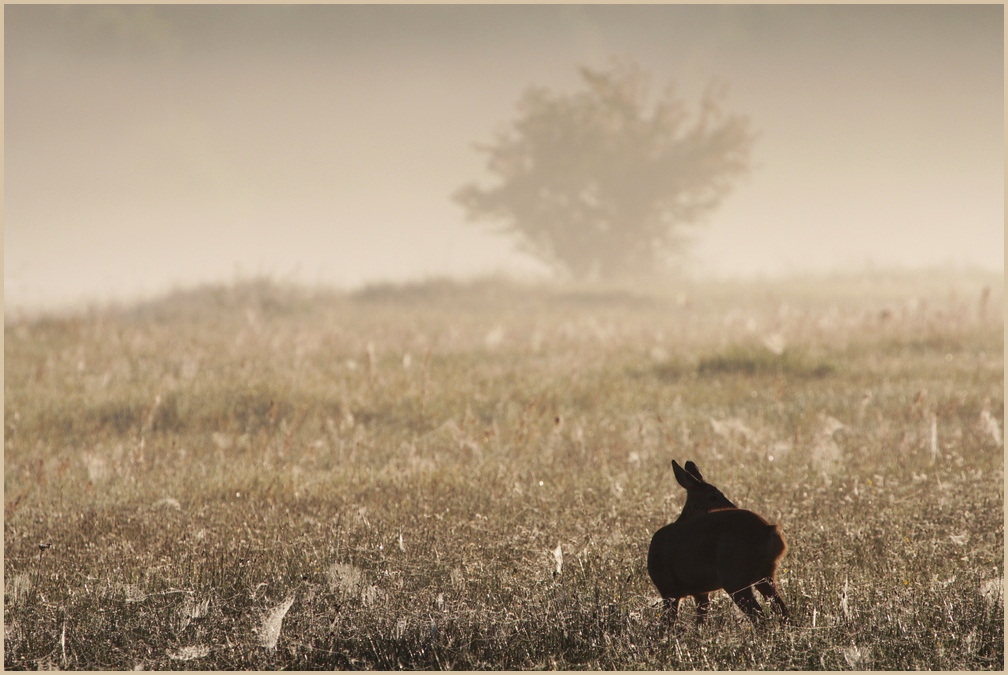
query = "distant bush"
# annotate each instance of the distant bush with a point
(757, 361)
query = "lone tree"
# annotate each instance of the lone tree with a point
(602, 183)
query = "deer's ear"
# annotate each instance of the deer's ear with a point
(685, 478)
(692, 468)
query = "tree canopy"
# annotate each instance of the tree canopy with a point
(604, 182)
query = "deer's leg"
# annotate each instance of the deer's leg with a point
(769, 591)
(746, 600)
(670, 612)
(702, 607)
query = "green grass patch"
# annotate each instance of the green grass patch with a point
(758, 361)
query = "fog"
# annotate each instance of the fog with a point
(151, 147)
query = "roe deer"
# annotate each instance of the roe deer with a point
(714, 545)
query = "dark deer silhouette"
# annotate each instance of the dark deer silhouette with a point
(715, 545)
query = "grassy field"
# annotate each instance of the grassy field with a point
(446, 476)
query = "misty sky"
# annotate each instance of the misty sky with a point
(148, 147)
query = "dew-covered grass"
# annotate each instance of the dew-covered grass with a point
(468, 476)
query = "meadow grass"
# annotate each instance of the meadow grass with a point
(468, 476)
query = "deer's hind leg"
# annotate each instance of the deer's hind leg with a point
(769, 591)
(746, 600)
